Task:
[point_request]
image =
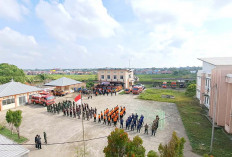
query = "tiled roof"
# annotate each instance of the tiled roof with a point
(62, 82)
(11, 150)
(218, 60)
(13, 88)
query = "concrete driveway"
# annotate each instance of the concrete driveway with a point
(61, 129)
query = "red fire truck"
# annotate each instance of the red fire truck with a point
(43, 98)
(137, 89)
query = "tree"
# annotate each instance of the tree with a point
(174, 148)
(89, 84)
(117, 142)
(9, 119)
(42, 77)
(135, 147)
(17, 120)
(175, 73)
(152, 153)
(119, 145)
(8, 72)
(191, 90)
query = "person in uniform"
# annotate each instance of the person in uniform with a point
(109, 122)
(101, 115)
(104, 122)
(70, 111)
(121, 123)
(67, 110)
(115, 121)
(95, 117)
(139, 127)
(132, 126)
(146, 129)
(87, 115)
(99, 118)
(64, 111)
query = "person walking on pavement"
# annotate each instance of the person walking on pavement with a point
(45, 137)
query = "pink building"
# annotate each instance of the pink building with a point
(214, 89)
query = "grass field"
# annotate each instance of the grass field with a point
(6, 132)
(197, 126)
(75, 77)
(149, 78)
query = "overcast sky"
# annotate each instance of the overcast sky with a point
(109, 33)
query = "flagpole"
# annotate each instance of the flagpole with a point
(83, 125)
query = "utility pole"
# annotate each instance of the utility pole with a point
(83, 129)
(214, 113)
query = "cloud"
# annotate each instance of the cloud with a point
(11, 9)
(72, 19)
(17, 48)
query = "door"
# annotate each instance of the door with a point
(22, 100)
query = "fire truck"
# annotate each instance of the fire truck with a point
(43, 98)
(164, 85)
(137, 90)
(128, 90)
(173, 85)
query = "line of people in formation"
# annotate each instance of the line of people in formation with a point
(114, 115)
(71, 109)
(111, 116)
(132, 122)
(97, 92)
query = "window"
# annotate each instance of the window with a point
(121, 76)
(102, 77)
(4, 102)
(121, 72)
(108, 72)
(8, 101)
(130, 76)
(115, 76)
(108, 76)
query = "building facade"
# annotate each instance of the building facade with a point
(214, 89)
(117, 75)
(15, 94)
(66, 84)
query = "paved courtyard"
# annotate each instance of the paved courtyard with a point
(61, 129)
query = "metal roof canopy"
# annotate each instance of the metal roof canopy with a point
(62, 82)
(13, 88)
(11, 150)
(218, 60)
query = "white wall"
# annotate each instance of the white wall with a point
(207, 68)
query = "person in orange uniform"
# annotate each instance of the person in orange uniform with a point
(95, 117)
(99, 118)
(101, 115)
(109, 122)
(104, 120)
(115, 121)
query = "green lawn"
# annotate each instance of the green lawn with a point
(149, 78)
(6, 132)
(197, 126)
